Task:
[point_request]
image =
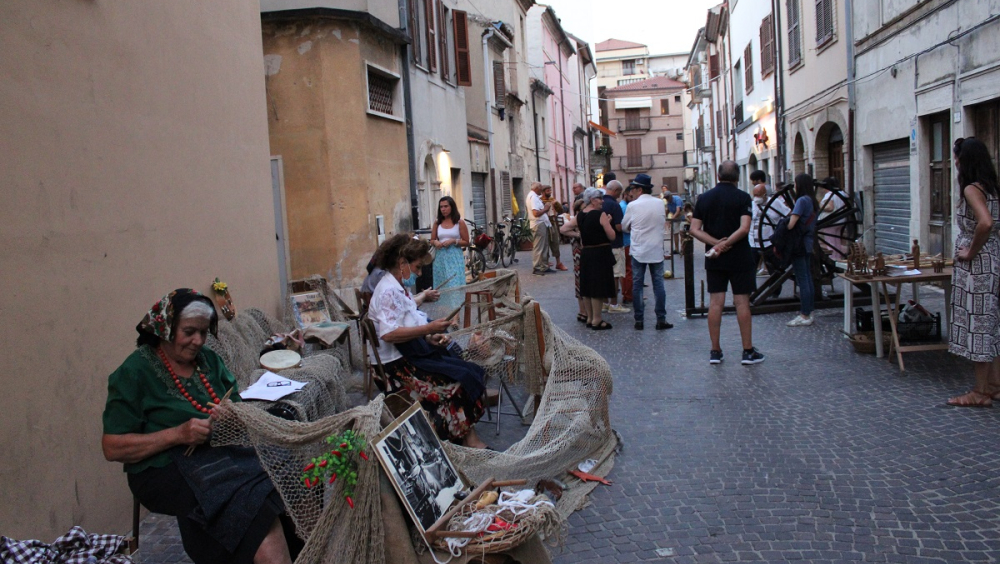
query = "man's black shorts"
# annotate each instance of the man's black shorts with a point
(742, 281)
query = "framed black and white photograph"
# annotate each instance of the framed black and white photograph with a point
(412, 456)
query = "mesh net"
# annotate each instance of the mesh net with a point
(520, 345)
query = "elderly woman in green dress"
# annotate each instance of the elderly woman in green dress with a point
(160, 403)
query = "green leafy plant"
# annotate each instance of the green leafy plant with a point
(340, 462)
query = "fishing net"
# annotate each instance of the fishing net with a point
(326, 370)
(513, 340)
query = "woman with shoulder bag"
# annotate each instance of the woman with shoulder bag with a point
(803, 217)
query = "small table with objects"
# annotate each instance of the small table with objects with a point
(880, 286)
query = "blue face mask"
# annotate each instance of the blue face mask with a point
(411, 281)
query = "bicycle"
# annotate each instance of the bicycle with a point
(494, 251)
(475, 261)
(518, 232)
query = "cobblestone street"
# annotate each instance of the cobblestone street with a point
(819, 454)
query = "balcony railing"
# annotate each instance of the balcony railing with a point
(635, 163)
(628, 125)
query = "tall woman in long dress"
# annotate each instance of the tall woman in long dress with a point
(975, 317)
(449, 236)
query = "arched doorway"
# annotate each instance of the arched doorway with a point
(835, 155)
(798, 155)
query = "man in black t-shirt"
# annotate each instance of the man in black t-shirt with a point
(721, 220)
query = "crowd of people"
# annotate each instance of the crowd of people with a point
(164, 396)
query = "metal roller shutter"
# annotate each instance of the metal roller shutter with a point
(892, 197)
(479, 199)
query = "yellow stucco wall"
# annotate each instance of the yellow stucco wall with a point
(342, 165)
(135, 161)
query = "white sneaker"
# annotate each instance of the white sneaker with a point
(800, 321)
(604, 308)
(618, 309)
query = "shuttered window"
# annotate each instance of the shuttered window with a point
(661, 145)
(429, 11)
(499, 85)
(463, 64)
(411, 6)
(633, 149)
(748, 67)
(767, 46)
(445, 51)
(794, 33)
(713, 67)
(824, 21)
(718, 123)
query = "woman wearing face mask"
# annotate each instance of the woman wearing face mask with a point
(413, 349)
(375, 275)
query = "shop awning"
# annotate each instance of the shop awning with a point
(602, 129)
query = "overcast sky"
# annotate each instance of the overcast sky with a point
(666, 26)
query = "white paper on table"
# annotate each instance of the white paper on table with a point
(912, 272)
(271, 387)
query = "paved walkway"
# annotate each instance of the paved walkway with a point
(819, 454)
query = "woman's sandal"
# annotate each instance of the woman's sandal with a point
(972, 399)
(581, 318)
(603, 326)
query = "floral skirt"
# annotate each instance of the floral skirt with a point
(577, 247)
(451, 411)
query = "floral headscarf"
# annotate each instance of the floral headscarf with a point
(161, 318)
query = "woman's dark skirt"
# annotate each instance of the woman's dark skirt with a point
(597, 278)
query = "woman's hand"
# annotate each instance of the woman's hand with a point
(194, 432)
(964, 254)
(431, 295)
(438, 325)
(439, 340)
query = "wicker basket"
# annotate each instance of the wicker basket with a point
(490, 543)
(864, 341)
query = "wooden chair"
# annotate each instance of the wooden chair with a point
(369, 338)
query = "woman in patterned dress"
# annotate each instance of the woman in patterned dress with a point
(572, 230)
(414, 353)
(975, 298)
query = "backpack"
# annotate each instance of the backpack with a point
(788, 244)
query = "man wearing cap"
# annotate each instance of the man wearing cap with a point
(646, 219)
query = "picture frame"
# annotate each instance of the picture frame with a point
(424, 478)
(310, 309)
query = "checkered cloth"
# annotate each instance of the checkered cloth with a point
(75, 547)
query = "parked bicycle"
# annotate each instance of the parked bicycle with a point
(519, 231)
(475, 260)
(495, 252)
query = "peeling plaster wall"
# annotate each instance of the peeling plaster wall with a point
(342, 166)
(135, 162)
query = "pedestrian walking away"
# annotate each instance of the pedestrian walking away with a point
(540, 225)
(646, 220)
(721, 220)
(630, 194)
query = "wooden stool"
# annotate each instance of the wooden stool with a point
(482, 297)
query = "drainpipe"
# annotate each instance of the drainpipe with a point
(534, 117)
(779, 93)
(851, 100)
(562, 117)
(411, 146)
(491, 32)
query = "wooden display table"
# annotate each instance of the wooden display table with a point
(879, 286)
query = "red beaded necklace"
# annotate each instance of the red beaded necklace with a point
(177, 382)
